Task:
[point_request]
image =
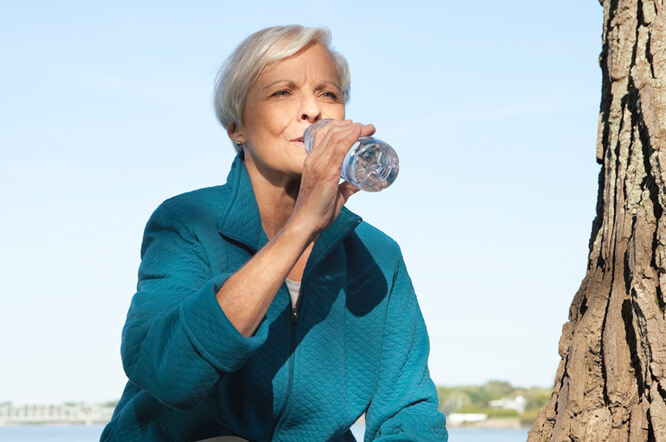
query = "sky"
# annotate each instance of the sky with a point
(106, 111)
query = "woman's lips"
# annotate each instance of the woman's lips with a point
(299, 141)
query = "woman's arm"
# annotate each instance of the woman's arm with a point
(404, 405)
(177, 342)
(246, 296)
(186, 327)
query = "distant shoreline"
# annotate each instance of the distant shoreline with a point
(494, 424)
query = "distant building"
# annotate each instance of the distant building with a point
(518, 403)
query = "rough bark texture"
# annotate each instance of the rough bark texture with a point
(611, 382)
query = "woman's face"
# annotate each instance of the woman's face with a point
(284, 100)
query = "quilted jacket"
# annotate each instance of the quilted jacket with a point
(355, 342)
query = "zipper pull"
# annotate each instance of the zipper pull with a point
(294, 315)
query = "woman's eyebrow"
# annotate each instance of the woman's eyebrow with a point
(289, 83)
(323, 84)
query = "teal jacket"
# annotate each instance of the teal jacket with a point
(356, 341)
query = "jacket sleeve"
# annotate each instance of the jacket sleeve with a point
(404, 405)
(177, 342)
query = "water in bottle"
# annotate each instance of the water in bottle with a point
(371, 164)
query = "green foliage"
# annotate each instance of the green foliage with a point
(498, 412)
(491, 412)
(476, 398)
(537, 398)
(471, 409)
(529, 416)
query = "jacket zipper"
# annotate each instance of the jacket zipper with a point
(272, 429)
(279, 418)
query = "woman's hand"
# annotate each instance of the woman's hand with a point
(321, 195)
(246, 296)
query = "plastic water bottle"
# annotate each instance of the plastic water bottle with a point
(370, 164)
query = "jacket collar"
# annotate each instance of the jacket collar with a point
(241, 222)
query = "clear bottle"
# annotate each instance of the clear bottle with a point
(370, 164)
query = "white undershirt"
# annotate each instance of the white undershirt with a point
(294, 288)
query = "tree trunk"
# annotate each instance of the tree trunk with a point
(611, 382)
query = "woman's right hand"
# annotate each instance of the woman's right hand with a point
(321, 195)
(246, 296)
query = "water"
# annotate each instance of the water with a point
(467, 434)
(486, 435)
(91, 433)
(51, 433)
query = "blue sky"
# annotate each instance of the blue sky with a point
(106, 111)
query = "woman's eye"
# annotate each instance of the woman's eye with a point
(331, 95)
(281, 93)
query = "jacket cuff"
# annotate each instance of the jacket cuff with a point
(211, 332)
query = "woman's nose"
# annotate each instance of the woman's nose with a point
(310, 110)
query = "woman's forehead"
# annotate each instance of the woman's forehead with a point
(314, 63)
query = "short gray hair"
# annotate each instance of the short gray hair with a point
(254, 54)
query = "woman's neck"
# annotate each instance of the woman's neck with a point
(276, 197)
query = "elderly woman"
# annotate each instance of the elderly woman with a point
(265, 309)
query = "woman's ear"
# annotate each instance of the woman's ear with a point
(235, 133)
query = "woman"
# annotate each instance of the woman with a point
(265, 309)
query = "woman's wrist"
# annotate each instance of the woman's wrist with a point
(301, 227)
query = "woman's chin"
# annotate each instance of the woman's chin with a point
(298, 153)
(298, 145)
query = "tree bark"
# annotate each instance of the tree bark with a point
(611, 381)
